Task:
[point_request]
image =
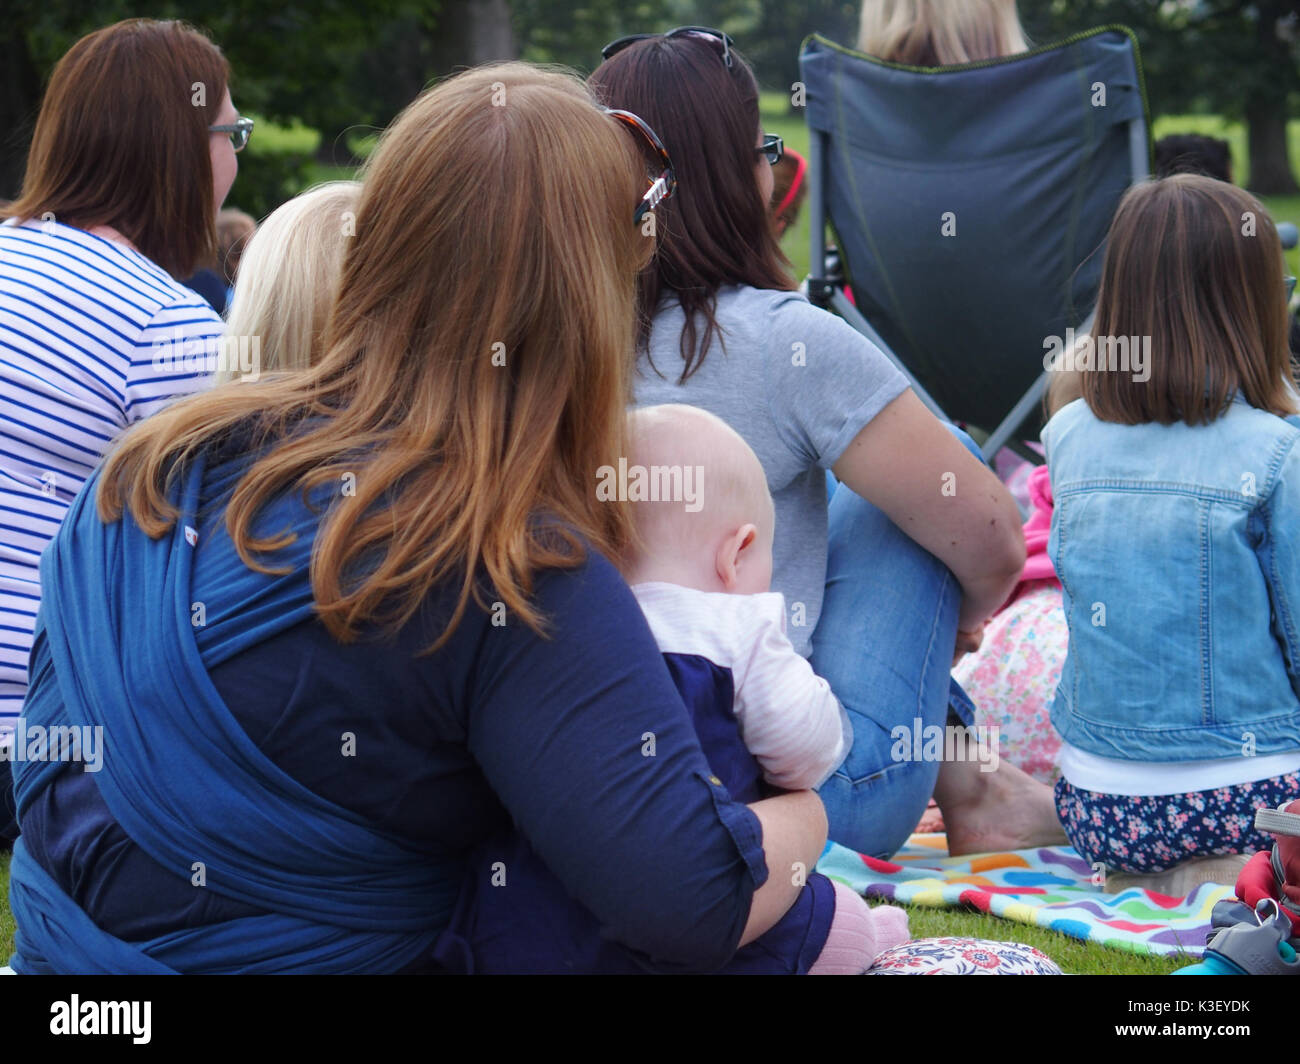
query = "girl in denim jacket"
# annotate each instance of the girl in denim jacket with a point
(1176, 537)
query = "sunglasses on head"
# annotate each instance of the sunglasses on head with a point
(716, 39)
(661, 188)
(240, 130)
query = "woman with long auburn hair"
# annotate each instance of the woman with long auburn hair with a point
(920, 544)
(132, 155)
(339, 627)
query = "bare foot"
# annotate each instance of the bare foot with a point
(991, 812)
(931, 821)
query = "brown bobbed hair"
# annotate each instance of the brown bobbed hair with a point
(1195, 264)
(121, 142)
(714, 231)
(476, 370)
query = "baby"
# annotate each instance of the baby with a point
(702, 579)
(701, 569)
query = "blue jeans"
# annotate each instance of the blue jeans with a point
(884, 642)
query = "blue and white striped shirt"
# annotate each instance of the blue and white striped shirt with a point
(82, 324)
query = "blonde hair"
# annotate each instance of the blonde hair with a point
(289, 273)
(732, 483)
(476, 371)
(931, 33)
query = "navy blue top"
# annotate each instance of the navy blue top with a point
(212, 287)
(447, 750)
(514, 918)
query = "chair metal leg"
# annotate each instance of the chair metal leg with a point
(854, 317)
(1024, 407)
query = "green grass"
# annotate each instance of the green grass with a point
(6, 917)
(776, 116)
(1073, 956)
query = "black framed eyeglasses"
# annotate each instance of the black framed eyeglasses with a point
(661, 187)
(240, 130)
(773, 147)
(719, 41)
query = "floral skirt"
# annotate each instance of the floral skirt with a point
(1012, 678)
(1133, 833)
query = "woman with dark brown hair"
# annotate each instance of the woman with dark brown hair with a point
(340, 626)
(132, 155)
(921, 543)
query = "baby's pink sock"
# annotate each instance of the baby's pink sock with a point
(859, 934)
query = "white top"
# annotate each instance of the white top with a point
(80, 321)
(789, 719)
(1108, 775)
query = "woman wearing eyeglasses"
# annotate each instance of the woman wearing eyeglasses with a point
(341, 626)
(131, 158)
(920, 544)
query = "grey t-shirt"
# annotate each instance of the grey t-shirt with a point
(798, 384)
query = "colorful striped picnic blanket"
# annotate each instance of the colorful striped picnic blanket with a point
(1050, 887)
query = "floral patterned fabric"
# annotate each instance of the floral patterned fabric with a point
(1012, 678)
(963, 956)
(1153, 834)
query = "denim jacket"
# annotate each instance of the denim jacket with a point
(1178, 551)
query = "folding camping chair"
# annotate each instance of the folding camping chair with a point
(970, 205)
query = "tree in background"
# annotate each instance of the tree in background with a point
(1239, 58)
(768, 32)
(348, 66)
(572, 32)
(334, 65)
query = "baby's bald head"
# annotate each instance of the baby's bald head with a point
(682, 539)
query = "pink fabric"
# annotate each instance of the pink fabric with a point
(801, 165)
(1014, 472)
(859, 934)
(1038, 566)
(1012, 678)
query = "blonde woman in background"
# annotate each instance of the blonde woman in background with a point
(287, 278)
(933, 33)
